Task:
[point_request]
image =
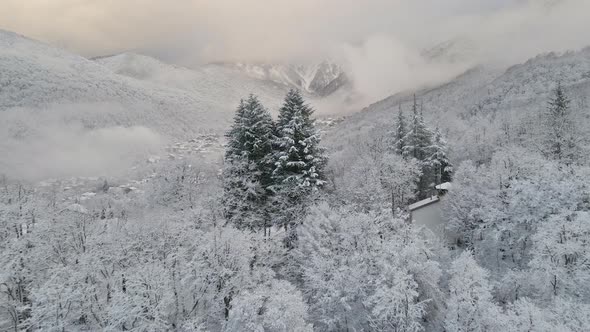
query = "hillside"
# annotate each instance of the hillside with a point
(123, 90)
(79, 117)
(221, 86)
(475, 106)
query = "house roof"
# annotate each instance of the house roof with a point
(423, 203)
(444, 186)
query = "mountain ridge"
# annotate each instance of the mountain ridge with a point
(494, 104)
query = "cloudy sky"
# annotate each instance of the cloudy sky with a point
(211, 30)
(367, 35)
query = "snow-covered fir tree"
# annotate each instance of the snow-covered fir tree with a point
(248, 166)
(298, 159)
(559, 128)
(418, 138)
(417, 143)
(400, 132)
(429, 149)
(439, 161)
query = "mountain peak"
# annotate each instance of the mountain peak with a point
(320, 78)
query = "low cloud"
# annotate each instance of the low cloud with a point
(54, 149)
(383, 65)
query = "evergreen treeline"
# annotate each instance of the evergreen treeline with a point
(271, 168)
(560, 130)
(414, 140)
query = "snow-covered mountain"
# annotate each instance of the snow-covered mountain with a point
(45, 90)
(126, 89)
(486, 104)
(207, 81)
(54, 103)
(319, 79)
(80, 116)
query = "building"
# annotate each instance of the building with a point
(428, 213)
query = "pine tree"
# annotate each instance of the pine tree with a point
(559, 128)
(248, 166)
(418, 138)
(438, 159)
(400, 132)
(417, 144)
(298, 158)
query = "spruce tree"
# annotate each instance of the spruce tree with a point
(400, 132)
(248, 166)
(560, 142)
(418, 138)
(298, 158)
(417, 144)
(438, 159)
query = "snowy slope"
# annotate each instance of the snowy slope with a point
(485, 105)
(81, 116)
(134, 90)
(213, 83)
(37, 76)
(326, 87)
(62, 114)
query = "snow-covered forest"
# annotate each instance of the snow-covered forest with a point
(143, 191)
(284, 240)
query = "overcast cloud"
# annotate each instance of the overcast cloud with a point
(378, 41)
(212, 30)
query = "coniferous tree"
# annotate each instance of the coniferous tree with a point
(417, 144)
(298, 158)
(438, 159)
(400, 132)
(411, 137)
(248, 166)
(418, 138)
(560, 143)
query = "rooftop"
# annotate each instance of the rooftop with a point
(444, 186)
(423, 203)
